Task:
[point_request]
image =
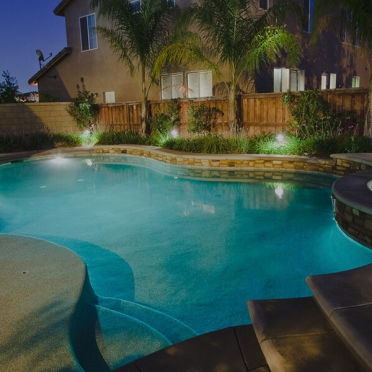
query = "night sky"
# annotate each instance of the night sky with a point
(24, 27)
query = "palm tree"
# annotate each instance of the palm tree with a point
(354, 18)
(137, 36)
(233, 41)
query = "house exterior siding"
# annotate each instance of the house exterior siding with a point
(103, 72)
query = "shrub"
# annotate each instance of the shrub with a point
(83, 107)
(201, 118)
(210, 144)
(162, 123)
(312, 115)
(8, 88)
(121, 138)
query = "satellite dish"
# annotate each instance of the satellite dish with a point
(40, 54)
(41, 57)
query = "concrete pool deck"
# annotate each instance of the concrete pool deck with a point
(44, 287)
(41, 287)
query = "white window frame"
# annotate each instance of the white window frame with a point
(198, 91)
(288, 79)
(355, 82)
(89, 33)
(170, 86)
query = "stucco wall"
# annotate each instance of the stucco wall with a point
(32, 117)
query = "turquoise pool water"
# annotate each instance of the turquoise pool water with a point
(194, 250)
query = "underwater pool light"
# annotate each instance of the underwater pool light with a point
(279, 191)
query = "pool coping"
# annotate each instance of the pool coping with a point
(220, 161)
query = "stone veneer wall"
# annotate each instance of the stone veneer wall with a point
(355, 223)
(222, 161)
(343, 167)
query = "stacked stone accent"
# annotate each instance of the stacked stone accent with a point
(343, 167)
(355, 223)
(290, 163)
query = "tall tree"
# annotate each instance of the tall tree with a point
(8, 88)
(137, 36)
(352, 18)
(234, 40)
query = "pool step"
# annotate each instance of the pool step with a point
(121, 338)
(172, 328)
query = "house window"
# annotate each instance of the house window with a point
(172, 86)
(264, 4)
(355, 82)
(286, 79)
(308, 19)
(88, 33)
(109, 97)
(345, 34)
(199, 84)
(136, 4)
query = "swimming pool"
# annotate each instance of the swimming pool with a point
(193, 250)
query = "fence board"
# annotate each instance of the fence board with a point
(258, 112)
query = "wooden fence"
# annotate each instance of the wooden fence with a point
(257, 113)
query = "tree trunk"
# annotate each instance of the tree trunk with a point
(144, 103)
(231, 115)
(368, 112)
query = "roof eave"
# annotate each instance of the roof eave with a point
(61, 55)
(60, 8)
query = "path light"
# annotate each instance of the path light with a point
(279, 191)
(174, 133)
(86, 133)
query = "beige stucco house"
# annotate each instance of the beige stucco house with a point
(333, 63)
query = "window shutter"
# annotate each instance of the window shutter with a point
(355, 82)
(293, 80)
(332, 81)
(177, 83)
(301, 80)
(193, 84)
(323, 82)
(285, 79)
(277, 79)
(166, 91)
(206, 84)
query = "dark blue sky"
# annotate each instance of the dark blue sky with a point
(24, 27)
